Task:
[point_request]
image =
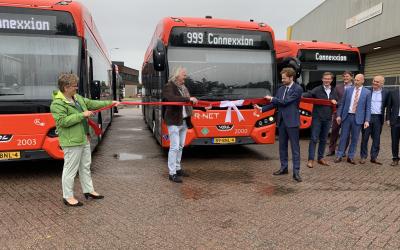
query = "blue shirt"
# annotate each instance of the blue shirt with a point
(376, 102)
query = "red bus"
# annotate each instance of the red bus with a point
(225, 60)
(38, 42)
(316, 58)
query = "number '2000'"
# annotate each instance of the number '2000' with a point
(195, 37)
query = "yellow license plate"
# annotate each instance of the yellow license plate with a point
(9, 155)
(224, 140)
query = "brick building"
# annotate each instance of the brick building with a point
(130, 77)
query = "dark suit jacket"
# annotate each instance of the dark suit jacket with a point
(288, 108)
(339, 89)
(173, 115)
(324, 113)
(363, 110)
(393, 104)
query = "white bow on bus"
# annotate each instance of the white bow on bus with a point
(232, 105)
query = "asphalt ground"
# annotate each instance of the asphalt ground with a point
(230, 201)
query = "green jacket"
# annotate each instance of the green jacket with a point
(70, 122)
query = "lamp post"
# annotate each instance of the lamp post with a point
(111, 50)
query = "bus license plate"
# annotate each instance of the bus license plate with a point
(9, 155)
(224, 140)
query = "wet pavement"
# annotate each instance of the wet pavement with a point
(230, 200)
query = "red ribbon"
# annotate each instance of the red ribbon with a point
(322, 102)
(203, 104)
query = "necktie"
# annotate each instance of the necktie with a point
(356, 97)
(284, 94)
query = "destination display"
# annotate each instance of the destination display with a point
(33, 21)
(225, 38)
(329, 56)
(27, 22)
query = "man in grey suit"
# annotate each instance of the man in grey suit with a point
(354, 111)
(378, 106)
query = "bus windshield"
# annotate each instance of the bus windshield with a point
(224, 73)
(30, 65)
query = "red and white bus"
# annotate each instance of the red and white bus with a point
(316, 58)
(40, 40)
(225, 60)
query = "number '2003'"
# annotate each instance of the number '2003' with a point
(26, 142)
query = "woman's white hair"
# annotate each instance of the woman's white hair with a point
(175, 73)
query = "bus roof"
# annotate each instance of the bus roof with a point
(165, 26)
(291, 48)
(78, 11)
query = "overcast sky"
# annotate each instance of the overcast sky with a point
(129, 24)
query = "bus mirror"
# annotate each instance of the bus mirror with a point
(95, 90)
(291, 62)
(159, 56)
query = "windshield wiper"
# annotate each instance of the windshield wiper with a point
(9, 94)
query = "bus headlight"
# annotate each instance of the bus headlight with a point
(52, 133)
(304, 112)
(265, 121)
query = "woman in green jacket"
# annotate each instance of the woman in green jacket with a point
(71, 111)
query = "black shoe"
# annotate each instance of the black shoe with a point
(376, 162)
(182, 173)
(337, 160)
(78, 204)
(280, 172)
(175, 178)
(297, 178)
(96, 197)
(351, 161)
(331, 153)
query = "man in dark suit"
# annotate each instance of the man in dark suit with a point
(287, 100)
(340, 88)
(354, 112)
(321, 119)
(393, 120)
(378, 105)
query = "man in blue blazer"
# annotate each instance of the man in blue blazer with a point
(379, 99)
(287, 100)
(354, 112)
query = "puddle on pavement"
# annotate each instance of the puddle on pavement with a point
(276, 190)
(130, 129)
(128, 157)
